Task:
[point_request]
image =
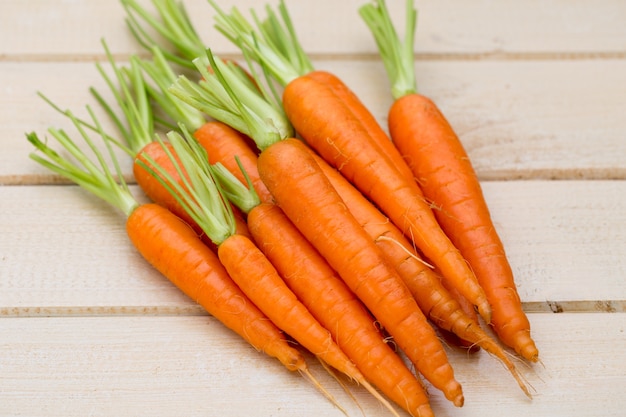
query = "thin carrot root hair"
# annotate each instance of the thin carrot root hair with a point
(505, 358)
(346, 389)
(408, 252)
(365, 384)
(306, 373)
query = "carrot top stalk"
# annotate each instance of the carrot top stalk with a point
(171, 22)
(442, 166)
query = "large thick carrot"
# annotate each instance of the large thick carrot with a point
(335, 131)
(447, 178)
(424, 283)
(172, 247)
(304, 193)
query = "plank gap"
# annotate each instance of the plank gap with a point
(420, 56)
(555, 307)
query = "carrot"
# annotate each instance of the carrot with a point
(446, 175)
(335, 131)
(170, 245)
(247, 264)
(424, 283)
(308, 199)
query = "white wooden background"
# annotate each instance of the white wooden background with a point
(537, 92)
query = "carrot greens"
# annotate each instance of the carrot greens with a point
(397, 55)
(224, 95)
(172, 23)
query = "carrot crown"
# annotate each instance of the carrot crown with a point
(91, 173)
(201, 193)
(171, 22)
(273, 43)
(397, 55)
(226, 94)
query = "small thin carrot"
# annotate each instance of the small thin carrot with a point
(306, 196)
(170, 245)
(335, 131)
(445, 174)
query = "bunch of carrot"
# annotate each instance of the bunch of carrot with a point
(298, 206)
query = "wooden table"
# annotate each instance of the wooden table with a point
(536, 91)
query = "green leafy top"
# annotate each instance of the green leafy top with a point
(172, 23)
(272, 43)
(397, 55)
(202, 193)
(232, 98)
(91, 173)
(131, 96)
(162, 75)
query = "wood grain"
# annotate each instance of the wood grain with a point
(534, 89)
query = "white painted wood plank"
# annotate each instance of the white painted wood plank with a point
(517, 119)
(61, 28)
(192, 366)
(62, 248)
(565, 239)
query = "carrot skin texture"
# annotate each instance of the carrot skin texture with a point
(174, 249)
(308, 199)
(259, 280)
(341, 139)
(328, 298)
(222, 144)
(366, 118)
(443, 169)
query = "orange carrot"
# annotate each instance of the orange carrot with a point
(172, 247)
(425, 285)
(308, 199)
(334, 130)
(447, 178)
